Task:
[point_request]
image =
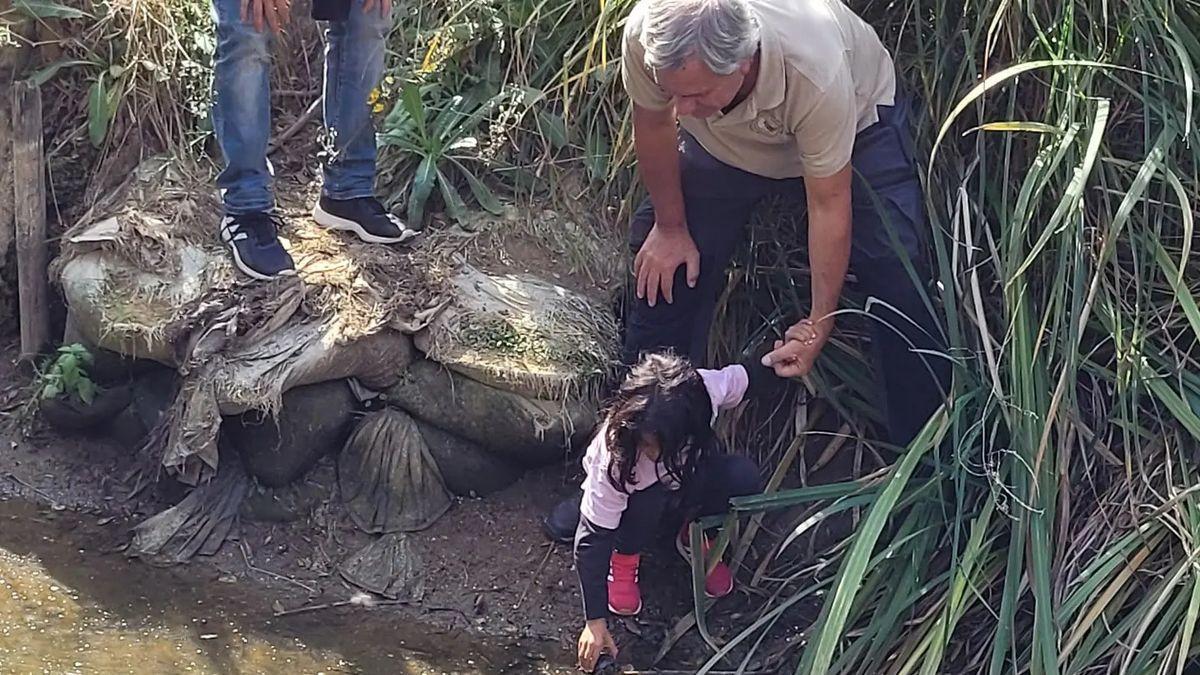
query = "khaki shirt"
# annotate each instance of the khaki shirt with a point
(822, 72)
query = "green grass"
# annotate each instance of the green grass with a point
(1043, 522)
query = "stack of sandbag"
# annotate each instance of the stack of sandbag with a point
(144, 275)
(514, 365)
(509, 364)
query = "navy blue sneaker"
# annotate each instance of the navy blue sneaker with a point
(253, 238)
(365, 217)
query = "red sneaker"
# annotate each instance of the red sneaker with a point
(719, 582)
(624, 596)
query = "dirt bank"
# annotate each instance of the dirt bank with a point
(490, 573)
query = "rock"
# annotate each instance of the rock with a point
(313, 421)
(466, 467)
(67, 414)
(526, 431)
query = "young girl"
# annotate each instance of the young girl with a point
(656, 438)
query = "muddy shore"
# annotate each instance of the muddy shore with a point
(491, 578)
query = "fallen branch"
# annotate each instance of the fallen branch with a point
(534, 578)
(306, 117)
(242, 546)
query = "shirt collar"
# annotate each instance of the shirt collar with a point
(768, 90)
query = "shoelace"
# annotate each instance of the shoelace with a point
(622, 571)
(258, 227)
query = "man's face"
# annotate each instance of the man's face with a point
(698, 91)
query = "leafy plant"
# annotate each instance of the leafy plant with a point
(438, 139)
(66, 376)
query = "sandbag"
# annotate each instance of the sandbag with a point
(522, 334)
(144, 276)
(389, 566)
(529, 432)
(134, 324)
(313, 421)
(388, 479)
(467, 468)
(198, 524)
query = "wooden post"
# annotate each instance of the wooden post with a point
(29, 193)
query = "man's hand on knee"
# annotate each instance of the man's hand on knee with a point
(664, 251)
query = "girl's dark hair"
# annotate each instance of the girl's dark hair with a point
(663, 396)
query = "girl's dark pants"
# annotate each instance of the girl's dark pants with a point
(718, 478)
(889, 222)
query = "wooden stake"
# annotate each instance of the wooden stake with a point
(29, 193)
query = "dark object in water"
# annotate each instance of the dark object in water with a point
(606, 665)
(200, 523)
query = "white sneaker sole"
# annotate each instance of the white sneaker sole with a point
(327, 219)
(635, 612)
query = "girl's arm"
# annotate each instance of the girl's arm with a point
(593, 548)
(600, 512)
(731, 385)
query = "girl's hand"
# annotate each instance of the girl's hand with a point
(593, 641)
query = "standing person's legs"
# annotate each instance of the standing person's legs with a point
(242, 110)
(353, 67)
(718, 200)
(889, 224)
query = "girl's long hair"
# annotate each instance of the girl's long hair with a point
(663, 396)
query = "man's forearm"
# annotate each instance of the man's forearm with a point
(656, 142)
(828, 251)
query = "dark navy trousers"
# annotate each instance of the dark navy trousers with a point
(888, 217)
(718, 478)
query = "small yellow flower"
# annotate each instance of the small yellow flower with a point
(373, 99)
(377, 108)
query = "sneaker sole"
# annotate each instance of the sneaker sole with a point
(687, 558)
(250, 272)
(635, 612)
(327, 219)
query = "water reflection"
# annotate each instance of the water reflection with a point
(67, 609)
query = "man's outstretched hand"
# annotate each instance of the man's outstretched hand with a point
(665, 249)
(796, 353)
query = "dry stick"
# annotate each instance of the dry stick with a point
(803, 426)
(341, 603)
(246, 557)
(31, 488)
(299, 124)
(29, 196)
(534, 578)
(832, 449)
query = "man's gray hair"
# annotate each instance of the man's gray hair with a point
(721, 33)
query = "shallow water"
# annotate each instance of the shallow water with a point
(68, 606)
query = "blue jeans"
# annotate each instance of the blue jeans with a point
(242, 105)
